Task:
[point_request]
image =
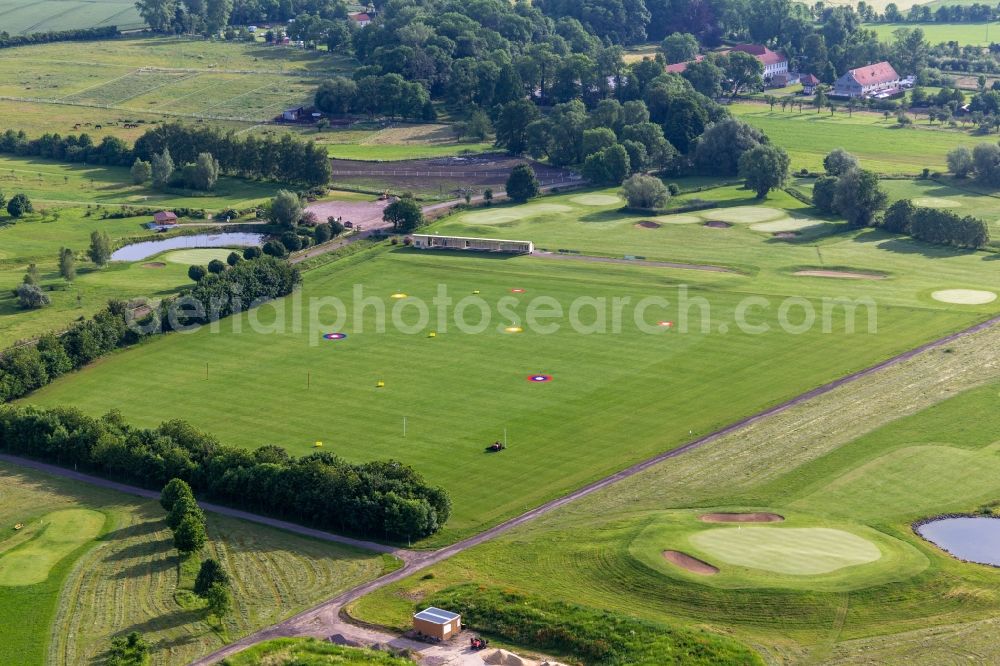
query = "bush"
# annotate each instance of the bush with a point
(274, 248)
(291, 241)
(946, 228)
(522, 184)
(196, 273)
(216, 266)
(19, 205)
(252, 252)
(234, 258)
(645, 192)
(30, 296)
(898, 216)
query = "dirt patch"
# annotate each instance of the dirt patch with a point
(845, 275)
(785, 234)
(648, 224)
(366, 213)
(756, 517)
(688, 563)
(717, 224)
(154, 264)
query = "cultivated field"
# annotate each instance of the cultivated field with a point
(460, 391)
(64, 593)
(175, 77)
(878, 142)
(23, 17)
(864, 460)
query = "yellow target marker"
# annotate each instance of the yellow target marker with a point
(318, 445)
(399, 294)
(513, 329)
(432, 334)
(380, 384)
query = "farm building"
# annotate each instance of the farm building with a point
(164, 217)
(435, 242)
(809, 83)
(774, 63)
(292, 115)
(361, 19)
(679, 67)
(438, 624)
(878, 79)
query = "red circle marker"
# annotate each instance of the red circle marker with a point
(539, 379)
(665, 324)
(517, 291)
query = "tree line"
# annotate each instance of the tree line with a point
(285, 158)
(111, 151)
(932, 225)
(8, 40)
(26, 368)
(381, 499)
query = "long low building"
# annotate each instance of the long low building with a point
(435, 242)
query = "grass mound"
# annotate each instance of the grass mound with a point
(787, 224)
(54, 537)
(964, 296)
(590, 635)
(311, 652)
(596, 200)
(800, 551)
(747, 214)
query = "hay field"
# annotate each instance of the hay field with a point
(916, 440)
(966, 34)
(128, 579)
(459, 391)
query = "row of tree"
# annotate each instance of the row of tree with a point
(8, 40)
(982, 162)
(382, 499)
(388, 94)
(933, 225)
(202, 174)
(284, 158)
(111, 151)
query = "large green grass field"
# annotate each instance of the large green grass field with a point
(90, 564)
(22, 17)
(460, 391)
(966, 34)
(842, 580)
(878, 142)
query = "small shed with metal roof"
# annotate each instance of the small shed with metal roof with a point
(437, 623)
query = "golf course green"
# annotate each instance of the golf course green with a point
(54, 536)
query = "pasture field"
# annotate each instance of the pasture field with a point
(878, 142)
(23, 17)
(49, 183)
(869, 458)
(459, 391)
(966, 34)
(91, 564)
(166, 76)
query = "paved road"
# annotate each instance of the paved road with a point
(324, 619)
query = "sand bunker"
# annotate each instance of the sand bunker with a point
(596, 200)
(936, 202)
(513, 213)
(745, 214)
(785, 234)
(154, 264)
(787, 224)
(648, 224)
(718, 224)
(964, 296)
(688, 563)
(678, 219)
(845, 275)
(756, 517)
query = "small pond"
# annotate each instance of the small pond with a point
(146, 249)
(968, 538)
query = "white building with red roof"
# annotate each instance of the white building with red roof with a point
(773, 62)
(679, 67)
(867, 81)
(361, 19)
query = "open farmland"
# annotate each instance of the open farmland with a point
(450, 386)
(868, 458)
(22, 17)
(878, 142)
(66, 607)
(167, 76)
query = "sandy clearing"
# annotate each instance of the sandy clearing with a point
(964, 296)
(366, 213)
(845, 275)
(688, 563)
(754, 517)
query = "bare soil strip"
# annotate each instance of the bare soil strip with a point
(692, 564)
(757, 517)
